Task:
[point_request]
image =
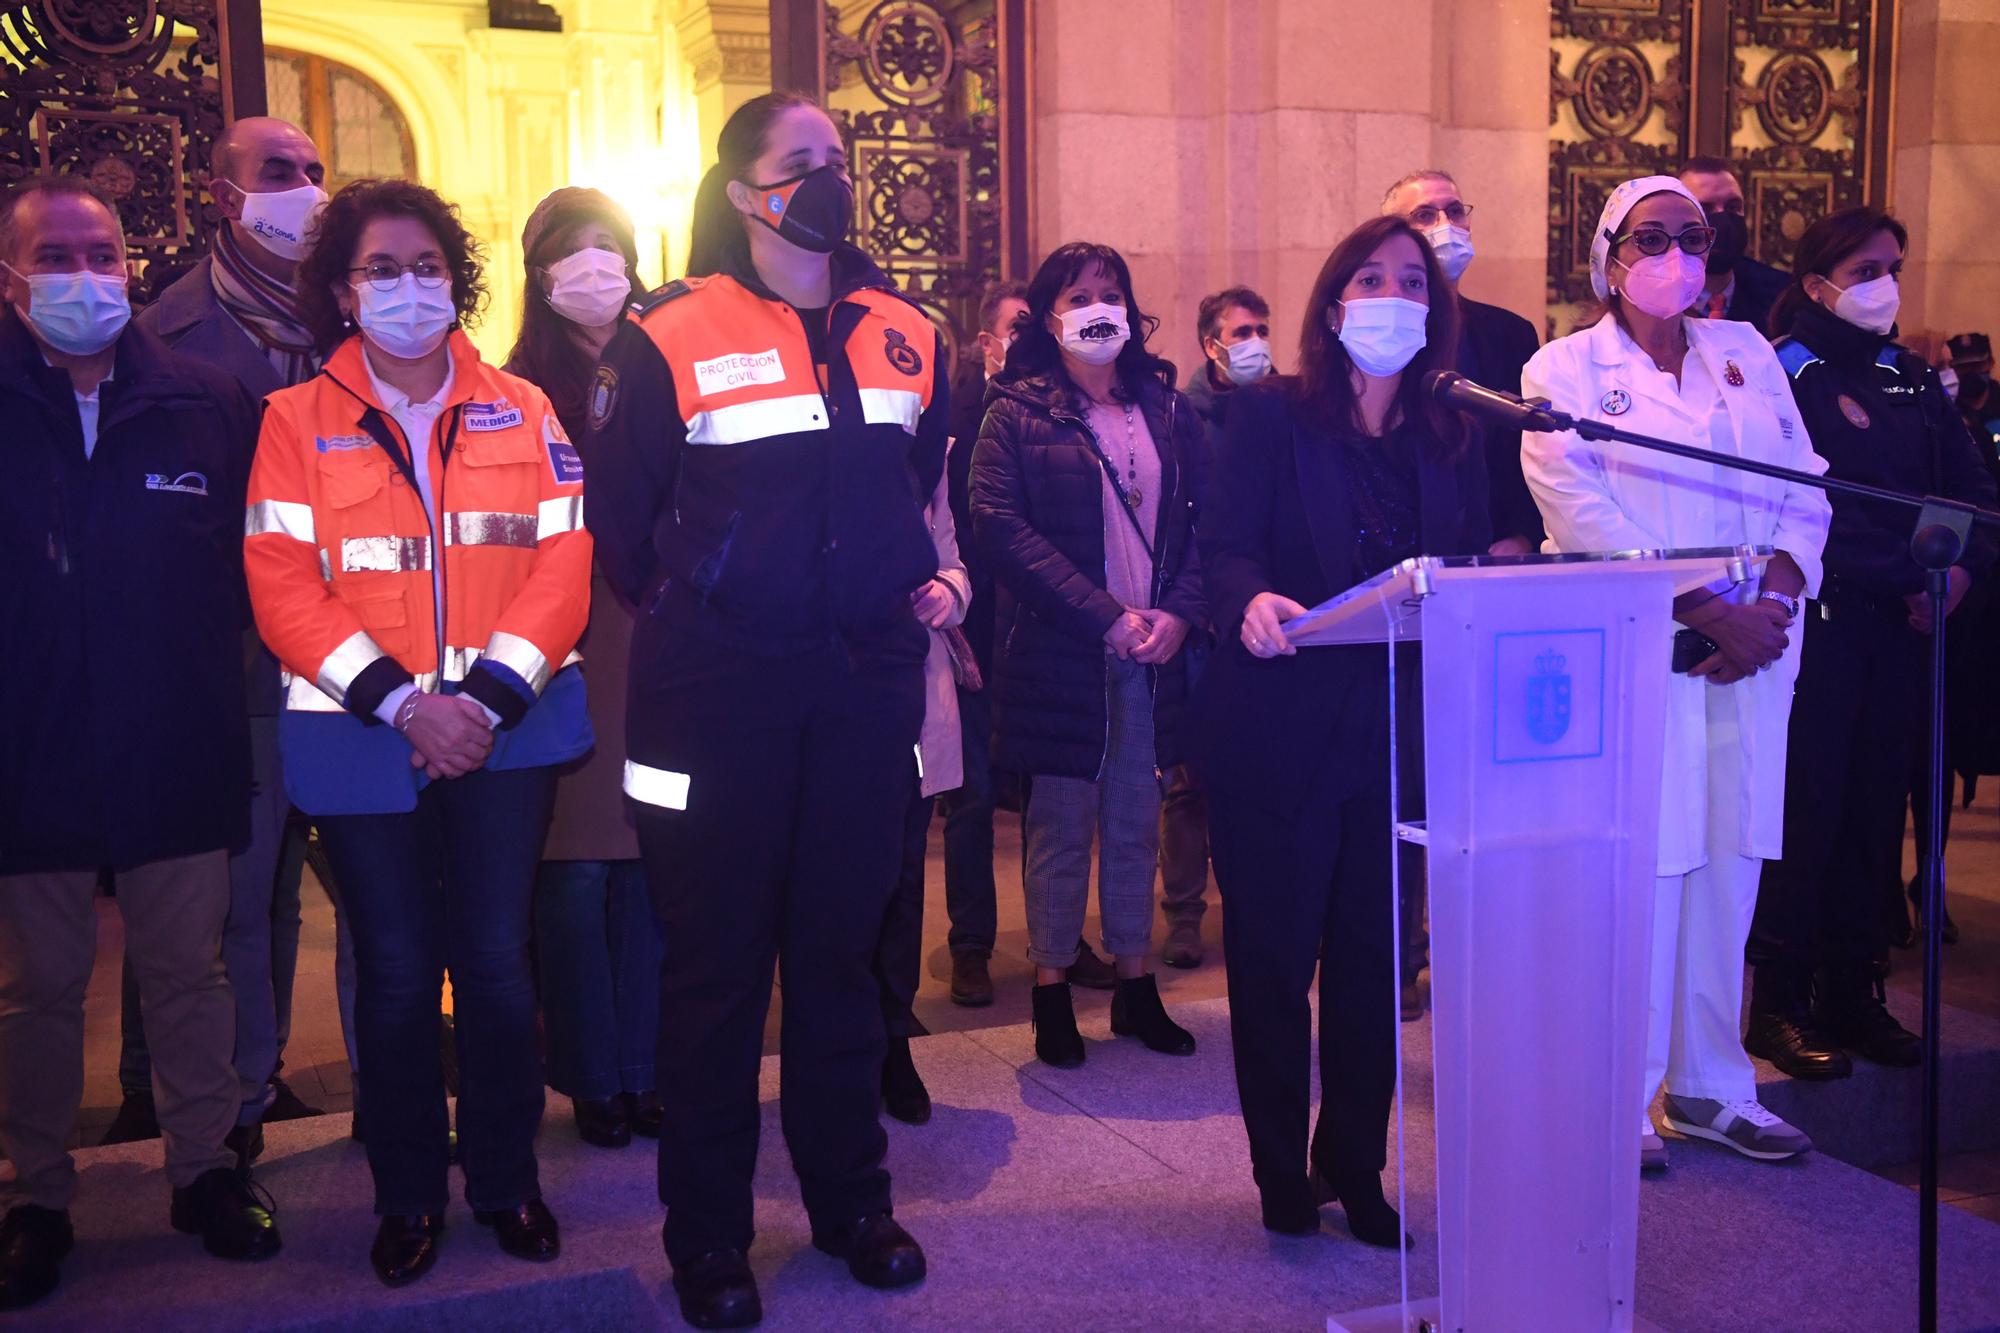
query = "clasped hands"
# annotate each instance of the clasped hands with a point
(1148, 636)
(1749, 636)
(449, 735)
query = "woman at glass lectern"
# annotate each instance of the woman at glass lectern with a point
(1324, 478)
(1652, 367)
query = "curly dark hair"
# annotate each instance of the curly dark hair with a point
(338, 230)
(1036, 351)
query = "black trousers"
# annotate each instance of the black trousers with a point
(798, 777)
(900, 950)
(447, 887)
(1310, 887)
(1853, 737)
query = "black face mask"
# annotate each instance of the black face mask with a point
(1972, 387)
(813, 211)
(1732, 240)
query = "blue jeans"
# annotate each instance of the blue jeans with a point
(449, 885)
(599, 955)
(968, 834)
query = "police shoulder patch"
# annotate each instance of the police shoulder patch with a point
(603, 396)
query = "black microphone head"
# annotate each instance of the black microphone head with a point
(1438, 383)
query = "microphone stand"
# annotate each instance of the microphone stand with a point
(1942, 527)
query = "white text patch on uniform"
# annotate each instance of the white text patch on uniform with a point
(737, 370)
(491, 416)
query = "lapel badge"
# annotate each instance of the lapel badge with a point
(1854, 412)
(1732, 373)
(1616, 403)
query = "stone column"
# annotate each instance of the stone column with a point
(727, 44)
(1947, 164)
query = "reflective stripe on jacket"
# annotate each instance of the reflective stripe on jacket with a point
(338, 547)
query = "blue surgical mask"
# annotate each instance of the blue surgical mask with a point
(1382, 333)
(79, 313)
(408, 320)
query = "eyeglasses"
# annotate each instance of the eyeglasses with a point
(1657, 241)
(1427, 215)
(383, 275)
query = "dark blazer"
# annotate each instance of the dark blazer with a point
(188, 319)
(1757, 288)
(1278, 519)
(1038, 529)
(1494, 347)
(123, 738)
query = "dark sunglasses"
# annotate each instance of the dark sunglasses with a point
(1656, 240)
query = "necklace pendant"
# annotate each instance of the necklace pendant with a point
(1135, 497)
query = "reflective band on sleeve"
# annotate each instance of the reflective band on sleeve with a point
(656, 786)
(892, 407)
(287, 516)
(758, 419)
(458, 661)
(919, 747)
(559, 516)
(469, 527)
(302, 696)
(521, 657)
(356, 653)
(384, 555)
(325, 566)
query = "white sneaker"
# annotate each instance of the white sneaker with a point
(1744, 1126)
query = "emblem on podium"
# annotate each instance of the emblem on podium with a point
(1549, 698)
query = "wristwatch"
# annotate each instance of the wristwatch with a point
(1791, 604)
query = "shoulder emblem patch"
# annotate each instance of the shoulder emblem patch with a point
(1853, 411)
(564, 461)
(603, 396)
(674, 290)
(901, 355)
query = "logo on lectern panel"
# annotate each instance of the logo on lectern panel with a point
(1549, 698)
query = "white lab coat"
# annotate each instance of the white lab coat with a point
(1613, 497)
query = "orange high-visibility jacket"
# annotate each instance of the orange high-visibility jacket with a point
(338, 546)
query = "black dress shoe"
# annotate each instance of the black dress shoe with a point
(1848, 1005)
(602, 1124)
(526, 1231)
(904, 1095)
(232, 1216)
(878, 1251)
(405, 1246)
(717, 1290)
(1798, 1049)
(1136, 1011)
(645, 1114)
(971, 979)
(1369, 1216)
(1091, 972)
(33, 1241)
(1057, 1042)
(1292, 1211)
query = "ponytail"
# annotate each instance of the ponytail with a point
(717, 242)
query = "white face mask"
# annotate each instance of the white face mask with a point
(1248, 360)
(1382, 333)
(1452, 246)
(589, 287)
(1095, 334)
(79, 313)
(1870, 305)
(407, 320)
(994, 365)
(281, 220)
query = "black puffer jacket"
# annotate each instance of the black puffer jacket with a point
(1038, 527)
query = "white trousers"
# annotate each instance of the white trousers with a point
(1694, 1008)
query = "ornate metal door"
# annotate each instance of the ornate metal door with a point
(930, 97)
(132, 95)
(1795, 92)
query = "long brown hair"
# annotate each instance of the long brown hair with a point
(1325, 380)
(547, 353)
(717, 242)
(1824, 248)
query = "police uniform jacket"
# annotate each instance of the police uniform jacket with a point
(747, 492)
(123, 738)
(1878, 415)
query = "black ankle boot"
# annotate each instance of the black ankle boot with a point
(1136, 1011)
(1057, 1042)
(904, 1095)
(1369, 1216)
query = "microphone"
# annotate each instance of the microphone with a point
(1456, 391)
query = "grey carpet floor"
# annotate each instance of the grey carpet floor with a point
(1112, 1197)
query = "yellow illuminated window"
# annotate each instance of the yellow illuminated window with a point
(356, 124)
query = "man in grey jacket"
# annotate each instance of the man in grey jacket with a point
(236, 310)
